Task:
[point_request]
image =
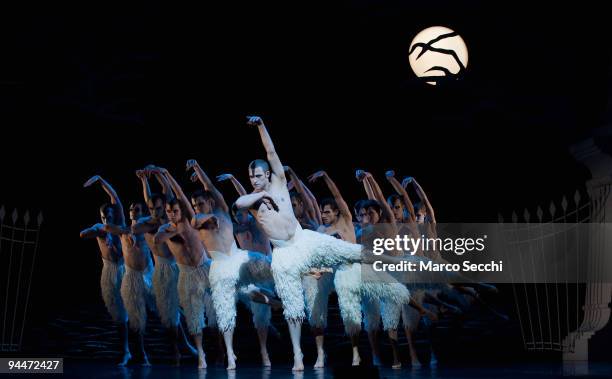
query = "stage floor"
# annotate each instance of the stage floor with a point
(524, 371)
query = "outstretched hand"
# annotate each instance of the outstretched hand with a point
(390, 174)
(224, 177)
(254, 121)
(407, 180)
(92, 180)
(141, 174)
(191, 164)
(316, 175)
(360, 175)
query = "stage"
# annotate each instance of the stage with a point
(96, 370)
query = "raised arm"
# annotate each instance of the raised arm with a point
(402, 192)
(378, 195)
(421, 194)
(161, 179)
(342, 205)
(93, 232)
(239, 188)
(273, 159)
(361, 176)
(146, 190)
(313, 199)
(111, 193)
(208, 185)
(305, 194)
(178, 192)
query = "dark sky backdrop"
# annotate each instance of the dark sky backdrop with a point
(106, 88)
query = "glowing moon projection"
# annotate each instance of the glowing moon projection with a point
(438, 53)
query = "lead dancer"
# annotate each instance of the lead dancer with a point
(296, 251)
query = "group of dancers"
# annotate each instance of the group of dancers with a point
(276, 247)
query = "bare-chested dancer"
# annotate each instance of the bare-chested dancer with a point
(382, 224)
(191, 256)
(337, 221)
(248, 233)
(404, 213)
(231, 267)
(319, 282)
(165, 274)
(112, 260)
(304, 204)
(296, 250)
(136, 286)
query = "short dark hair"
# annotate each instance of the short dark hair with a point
(156, 196)
(143, 206)
(329, 201)
(359, 205)
(392, 198)
(372, 204)
(265, 166)
(207, 195)
(183, 207)
(107, 206)
(418, 205)
(295, 194)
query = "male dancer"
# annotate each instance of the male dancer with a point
(385, 221)
(304, 206)
(136, 286)
(318, 283)
(165, 274)
(296, 250)
(112, 260)
(248, 233)
(338, 222)
(193, 262)
(231, 267)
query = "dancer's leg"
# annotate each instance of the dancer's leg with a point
(123, 337)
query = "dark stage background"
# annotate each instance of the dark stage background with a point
(106, 88)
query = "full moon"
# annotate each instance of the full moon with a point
(431, 53)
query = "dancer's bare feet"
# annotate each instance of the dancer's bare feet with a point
(231, 362)
(201, 360)
(145, 361)
(125, 359)
(265, 359)
(397, 366)
(177, 359)
(298, 364)
(320, 363)
(356, 359)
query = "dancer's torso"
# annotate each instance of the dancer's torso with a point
(221, 238)
(253, 238)
(158, 249)
(279, 225)
(343, 228)
(110, 247)
(186, 246)
(136, 253)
